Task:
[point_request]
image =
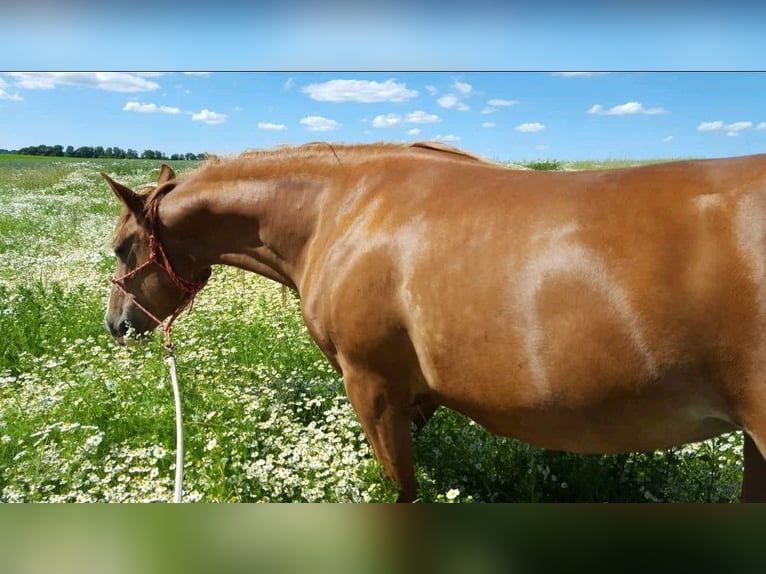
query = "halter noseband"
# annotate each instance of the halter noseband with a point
(158, 256)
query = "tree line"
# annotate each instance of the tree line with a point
(102, 152)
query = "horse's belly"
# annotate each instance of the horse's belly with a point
(670, 411)
(586, 433)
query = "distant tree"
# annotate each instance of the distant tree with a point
(101, 152)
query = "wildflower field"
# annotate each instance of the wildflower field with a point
(266, 418)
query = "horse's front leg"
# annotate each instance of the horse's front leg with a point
(423, 408)
(384, 410)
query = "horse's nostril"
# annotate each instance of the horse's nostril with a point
(117, 330)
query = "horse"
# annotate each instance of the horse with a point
(597, 311)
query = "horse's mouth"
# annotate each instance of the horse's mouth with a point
(118, 332)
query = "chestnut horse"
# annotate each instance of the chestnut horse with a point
(604, 311)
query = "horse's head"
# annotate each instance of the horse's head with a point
(146, 289)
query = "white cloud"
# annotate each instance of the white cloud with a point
(319, 124)
(629, 108)
(270, 126)
(108, 81)
(498, 103)
(392, 120)
(363, 91)
(578, 74)
(454, 100)
(738, 126)
(205, 116)
(421, 117)
(529, 128)
(447, 138)
(761, 126)
(8, 96)
(150, 108)
(386, 121)
(495, 103)
(12, 97)
(710, 126)
(463, 88)
(432, 90)
(414, 132)
(289, 84)
(732, 129)
(208, 117)
(450, 101)
(667, 139)
(488, 125)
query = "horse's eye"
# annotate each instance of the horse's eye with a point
(121, 251)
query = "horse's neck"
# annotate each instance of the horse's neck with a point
(261, 225)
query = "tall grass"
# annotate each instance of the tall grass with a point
(266, 417)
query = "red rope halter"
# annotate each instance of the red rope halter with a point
(191, 288)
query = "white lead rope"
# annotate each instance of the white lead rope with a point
(171, 360)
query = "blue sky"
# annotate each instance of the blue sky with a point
(500, 115)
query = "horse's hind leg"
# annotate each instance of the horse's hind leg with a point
(384, 411)
(754, 475)
(752, 419)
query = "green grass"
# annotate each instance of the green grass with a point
(544, 165)
(615, 163)
(266, 418)
(22, 158)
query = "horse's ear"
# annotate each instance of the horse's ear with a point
(166, 174)
(130, 198)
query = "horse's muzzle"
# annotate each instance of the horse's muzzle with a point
(117, 329)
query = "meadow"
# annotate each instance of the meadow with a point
(266, 418)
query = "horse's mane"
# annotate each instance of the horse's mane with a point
(338, 152)
(325, 151)
(438, 146)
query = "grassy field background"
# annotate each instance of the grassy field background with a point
(266, 418)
